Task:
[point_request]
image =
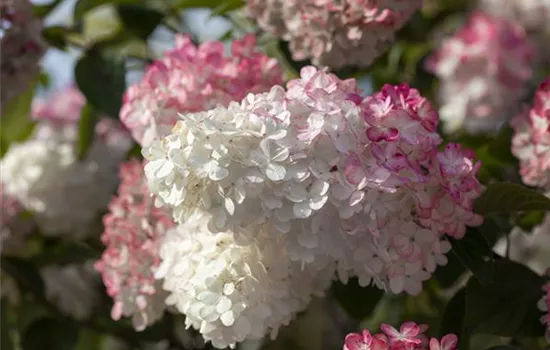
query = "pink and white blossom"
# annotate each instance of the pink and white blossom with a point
(409, 337)
(192, 78)
(134, 228)
(483, 70)
(334, 33)
(44, 174)
(22, 47)
(315, 167)
(531, 141)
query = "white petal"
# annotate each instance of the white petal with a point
(224, 305)
(275, 172)
(208, 297)
(227, 318)
(229, 206)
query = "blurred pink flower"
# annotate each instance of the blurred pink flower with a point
(483, 70)
(334, 33)
(22, 47)
(531, 141)
(193, 78)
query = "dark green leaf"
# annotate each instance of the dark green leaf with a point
(509, 198)
(50, 334)
(83, 6)
(503, 347)
(44, 10)
(25, 274)
(139, 20)
(60, 252)
(135, 152)
(86, 130)
(8, 329)
(55, 36)
(358, 301)
(508, 306)
(227, 6)
(102, 79)
(17, 125)
(453, 316)
(473, 252)
(185, 4)
(501, 146)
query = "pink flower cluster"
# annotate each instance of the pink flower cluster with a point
(21, 46)
(531, 141)
(417, 193)
(192, 79)
(483, 70)
(334, 33)
(409, 337)
(62, 107)
(544, 305)
(133, 231)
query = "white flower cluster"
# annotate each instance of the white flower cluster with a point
(65, 194)
(232, 290)
(303, 183)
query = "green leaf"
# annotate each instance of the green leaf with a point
(359, 302)
(17, 125)
(508, 198)
(503, 347)
(139, 20)
(83, 6)
(59, 252)
(473, 252)
(42, 11)
(86, 130)
(501, 146)
(135, 152)
(101, 77)
(8, 331)
(453, 316)
(55, 36)
(227, 6)
(185, 4)
(25, 274)
(530, 220)
(508, 306)
(50, 334)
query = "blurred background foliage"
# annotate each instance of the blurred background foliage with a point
(483, 297)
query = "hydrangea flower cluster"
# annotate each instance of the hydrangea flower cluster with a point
(544, 306)
(334, 33)
(410, 336)
(192, 79)
(483, 70)
(232, 289)
(44, 174)
(331, 180)
(531, 141)
(133, 231)
(533, 15)
(22, 46)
